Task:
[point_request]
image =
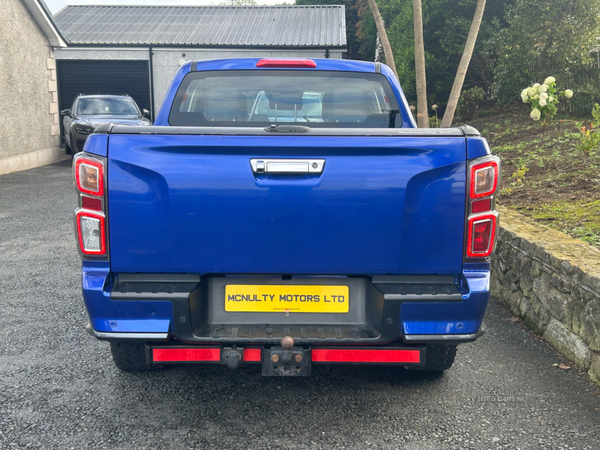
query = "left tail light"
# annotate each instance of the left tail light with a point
(89, 175)
(482, 219)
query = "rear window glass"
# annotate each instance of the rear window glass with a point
(255, 98)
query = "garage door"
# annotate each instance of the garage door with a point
(103, 77)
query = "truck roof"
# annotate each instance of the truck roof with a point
(346, 65)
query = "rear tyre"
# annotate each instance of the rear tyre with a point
(130, 357)
(438, 357)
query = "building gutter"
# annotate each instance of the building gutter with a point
(45, 20)
(90, 45)
(151, 67)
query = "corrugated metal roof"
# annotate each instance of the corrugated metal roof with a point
(239, 26)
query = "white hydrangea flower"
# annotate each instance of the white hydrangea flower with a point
(536, 114)
(543, 88)
(568, 93)
(550, 80)
(525, 96)
(542, 103)
(550, 99)
(543, 96)
(536, 85)
(532, 92)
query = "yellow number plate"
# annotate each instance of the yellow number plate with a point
(304, 299)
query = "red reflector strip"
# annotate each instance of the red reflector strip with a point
(366, 356)
(185, 354)
(480, 206)
(252, 355)
(95, 204)
(287, 63)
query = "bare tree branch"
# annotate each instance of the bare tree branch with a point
(464, 65)
(387, 48)
(422, 113)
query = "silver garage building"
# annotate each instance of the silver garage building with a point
(137, 50)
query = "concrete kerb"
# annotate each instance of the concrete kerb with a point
(553, 282)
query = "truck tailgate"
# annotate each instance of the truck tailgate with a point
(191, 203)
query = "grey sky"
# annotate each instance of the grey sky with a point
(57, 5)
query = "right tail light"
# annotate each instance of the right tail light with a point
(482, 220)
(89, 174)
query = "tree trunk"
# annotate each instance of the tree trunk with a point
(422, 112)
(378, 50)
(464, 65)
(387, 48)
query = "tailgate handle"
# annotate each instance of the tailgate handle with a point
(287, 165)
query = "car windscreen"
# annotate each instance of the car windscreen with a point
(253, 98)
(107, 106)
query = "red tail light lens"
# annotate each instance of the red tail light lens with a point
(89, 176)
(287, 63)
(481, 236)
(484, 178)
(91, 231)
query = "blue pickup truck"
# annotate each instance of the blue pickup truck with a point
(285, 213)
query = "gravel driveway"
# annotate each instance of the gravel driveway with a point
(59, 389)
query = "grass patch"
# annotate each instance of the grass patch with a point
(580, 219)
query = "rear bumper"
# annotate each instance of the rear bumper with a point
(152, 317)
(411, 338)
(444, 338)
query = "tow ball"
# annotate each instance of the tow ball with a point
(285, 360)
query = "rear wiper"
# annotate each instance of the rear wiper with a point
(287, 129)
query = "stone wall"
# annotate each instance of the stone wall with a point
(29, 127)
(553, 282)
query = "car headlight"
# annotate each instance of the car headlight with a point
(83, 130)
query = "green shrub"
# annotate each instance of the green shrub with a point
(590, 136)
(586, 96)
(546, 36)
(469, 103)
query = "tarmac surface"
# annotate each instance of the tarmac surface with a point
(60, 390)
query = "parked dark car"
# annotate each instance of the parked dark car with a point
(89, 111)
